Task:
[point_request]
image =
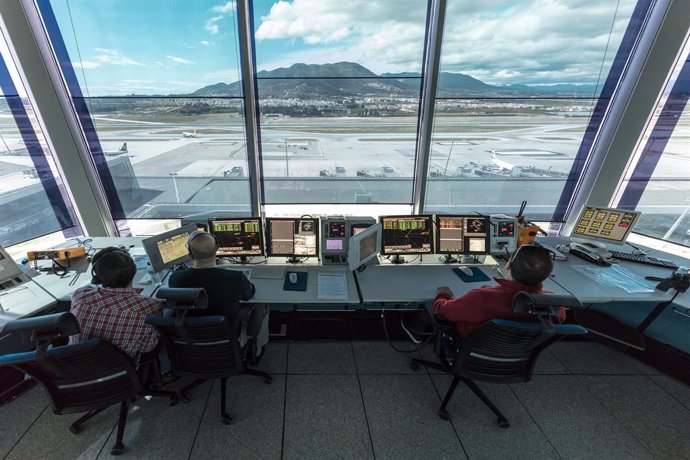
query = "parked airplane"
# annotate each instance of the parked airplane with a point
(514, 170)
(113, 153)
(189, 134)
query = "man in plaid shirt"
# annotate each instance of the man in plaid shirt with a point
(114, 310)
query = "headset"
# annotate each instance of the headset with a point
(194, 235)
(98, 257)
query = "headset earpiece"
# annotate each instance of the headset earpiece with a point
(98, 257)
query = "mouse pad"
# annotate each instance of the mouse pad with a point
(300, 285)
(477, 275)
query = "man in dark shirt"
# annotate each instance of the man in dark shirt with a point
(225, 288)
(529, 266)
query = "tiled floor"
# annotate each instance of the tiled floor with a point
(360, 400)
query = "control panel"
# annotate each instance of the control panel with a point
(504, 235)
(335, 234)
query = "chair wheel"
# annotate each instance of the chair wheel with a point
(414, 366)
(226, 419)
(503, 423)
(443, 414)
(174, 400)
(185, 397)
(117, 450)
(75, 429)
(268, 380)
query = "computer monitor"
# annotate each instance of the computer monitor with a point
(406, 235)
(10, 273)
(462, 234)
(168, 248)
(238, 237)
(292, 237)
(604, 224)
(364, 246)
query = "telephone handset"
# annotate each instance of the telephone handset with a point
(585, 253)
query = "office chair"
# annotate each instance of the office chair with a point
(204, 347)
(500, 351)
(85, 377)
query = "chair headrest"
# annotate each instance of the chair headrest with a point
(47, 326)
(543, 304)
(184, 298)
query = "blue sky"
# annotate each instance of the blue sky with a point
(177, 46)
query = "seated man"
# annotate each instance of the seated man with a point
(224, 288)
(110, 309)
(526, 269)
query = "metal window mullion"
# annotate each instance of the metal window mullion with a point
(432, 64)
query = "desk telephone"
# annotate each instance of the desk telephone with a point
(591, 253)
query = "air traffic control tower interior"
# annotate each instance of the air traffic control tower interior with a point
(349, 159)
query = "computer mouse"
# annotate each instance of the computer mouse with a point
(466, 270)
(293, 277)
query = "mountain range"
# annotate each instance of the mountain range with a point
(347, 79)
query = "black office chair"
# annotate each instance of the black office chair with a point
(85, 377)
(500, 351)
(204, 347)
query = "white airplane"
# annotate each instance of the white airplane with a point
(113, 153)
(188, 134)
(514, 170)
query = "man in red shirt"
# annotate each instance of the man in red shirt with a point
(110, 309)
(525, 271)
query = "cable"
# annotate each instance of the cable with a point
(388, 339)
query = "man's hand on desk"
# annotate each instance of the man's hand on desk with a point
(444, 290)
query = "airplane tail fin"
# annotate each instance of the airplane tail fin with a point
(123, 149)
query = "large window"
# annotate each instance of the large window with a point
(157, 89)
(338, 86)
(521, 93)
(658, 179)
(33, 201)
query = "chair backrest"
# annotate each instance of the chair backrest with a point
(505, 350)
(203, 347)
(80, 377)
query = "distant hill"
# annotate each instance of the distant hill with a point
(304, 80)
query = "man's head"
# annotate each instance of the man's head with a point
(113, 267)
(531, 264)
(202, 247)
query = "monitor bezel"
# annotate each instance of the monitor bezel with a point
(430, 217)
(262, 245)
(437, 236)
(604, 239)
(269, 224)
(353, 253)
(150, 245)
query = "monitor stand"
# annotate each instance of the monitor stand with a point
(449, 259)
(294, 260)
(398, 259)
(596, 247)
(243, 259)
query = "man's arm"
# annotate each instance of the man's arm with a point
(150, 336)
(247, 289)
(462, 308)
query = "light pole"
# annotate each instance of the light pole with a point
(177, 192)
(287, 170)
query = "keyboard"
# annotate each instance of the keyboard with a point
(268, 273)
(640, 259)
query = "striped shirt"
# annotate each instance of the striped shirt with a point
(116, 315)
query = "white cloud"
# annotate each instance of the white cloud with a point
(179, 60)
(226, 8)
(211, 25)
(207, 42)
(112, 56)
(86, 64)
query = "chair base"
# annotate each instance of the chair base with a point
(267, 377)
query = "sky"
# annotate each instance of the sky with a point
(121, 47)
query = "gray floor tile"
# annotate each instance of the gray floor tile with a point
(321, 358)
(402, 414)
(576, 423)
(324, 418)
(275, 360)
(593, 358)
(427, 354)
(17, 417)
(50, 437)
(549, 364)
(654, 417)
(380, 358)
(157, 430)
(477, 428)
(679, 390)
(257, 427)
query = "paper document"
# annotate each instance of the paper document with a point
(616, 276)
(332, 286)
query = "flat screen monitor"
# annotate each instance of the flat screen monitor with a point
(607, 224)
(168, 248)
(462, 234)
(239, 237)
(8, 268)
(364, 246)
(293, 237)
(406, 235)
